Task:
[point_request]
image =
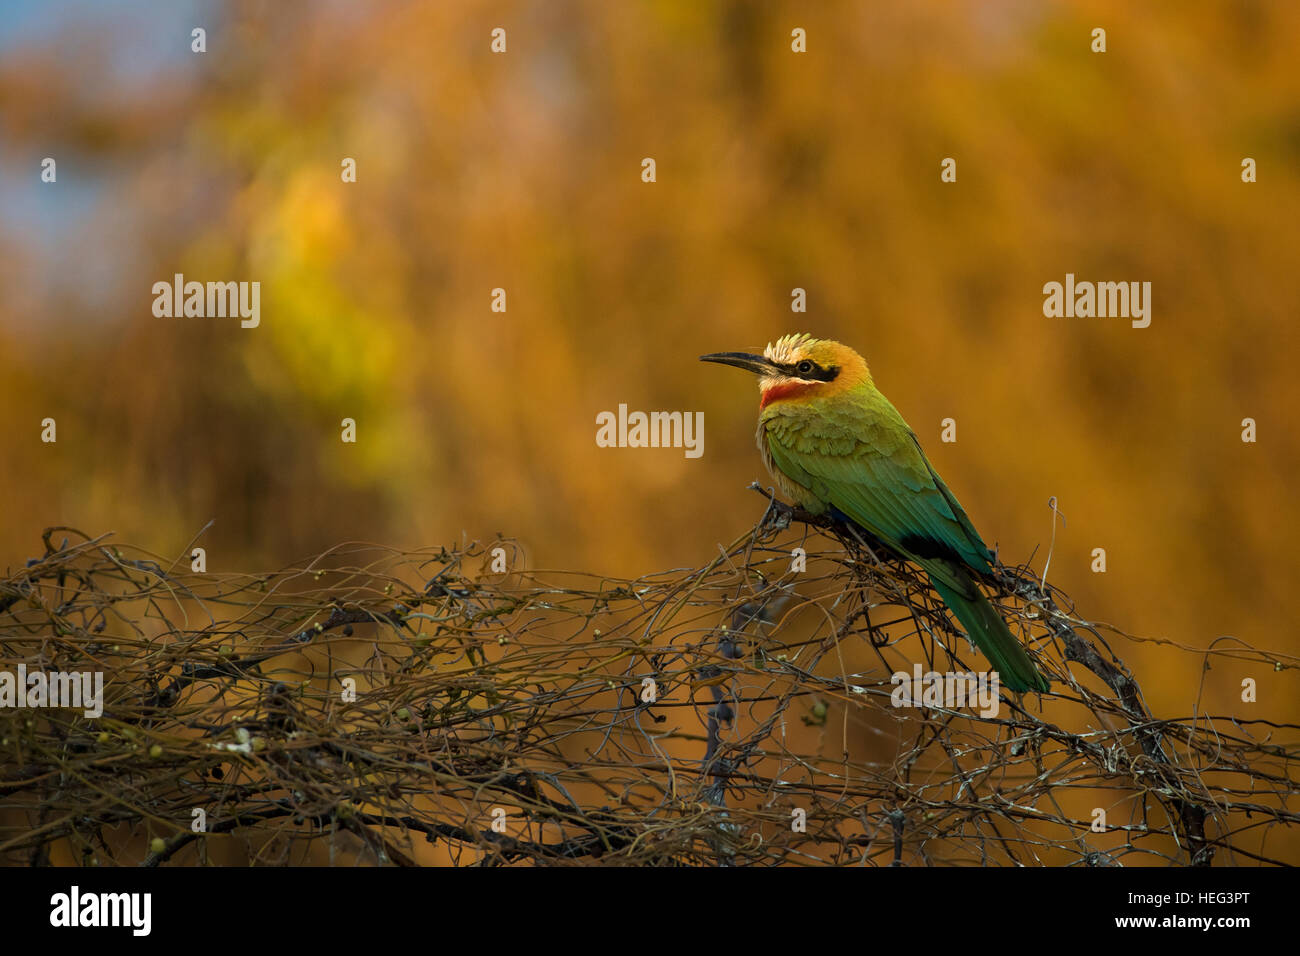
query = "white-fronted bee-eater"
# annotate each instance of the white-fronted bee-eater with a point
(837, 446)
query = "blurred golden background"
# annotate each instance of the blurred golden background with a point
(775, 170)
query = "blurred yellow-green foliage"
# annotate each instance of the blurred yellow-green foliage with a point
(775, 170)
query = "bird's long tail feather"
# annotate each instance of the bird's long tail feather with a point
(989, 632)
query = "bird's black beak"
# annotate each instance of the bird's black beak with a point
(752, 363)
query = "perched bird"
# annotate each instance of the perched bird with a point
(836, 445)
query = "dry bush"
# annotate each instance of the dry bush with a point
(507, 718)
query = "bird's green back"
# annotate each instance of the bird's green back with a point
(854, 452)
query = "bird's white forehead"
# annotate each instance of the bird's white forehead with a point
(786, 348)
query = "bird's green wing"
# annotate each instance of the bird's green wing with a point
(867, 463)
(860, 458)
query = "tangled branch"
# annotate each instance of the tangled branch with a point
(377, 705)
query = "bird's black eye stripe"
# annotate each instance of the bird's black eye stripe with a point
(808, 369)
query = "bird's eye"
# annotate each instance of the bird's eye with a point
(805, 367)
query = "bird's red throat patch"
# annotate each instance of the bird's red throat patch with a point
(784, 390)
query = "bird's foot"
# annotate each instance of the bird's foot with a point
(779, 514)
